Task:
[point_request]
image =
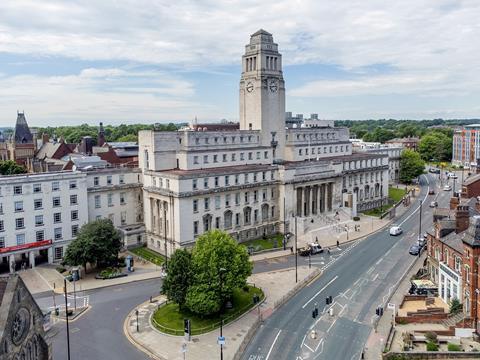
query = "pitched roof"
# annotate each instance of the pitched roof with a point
(472, 235)
(472, 179)
(22, 133)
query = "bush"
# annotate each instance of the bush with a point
(431, 346)
(356, 218)
(431, 337)
(455, 307)
(454, 347)
(61, 269)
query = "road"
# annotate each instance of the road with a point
(359, 280)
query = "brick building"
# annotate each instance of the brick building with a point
(453, 250)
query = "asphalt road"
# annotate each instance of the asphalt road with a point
(359, 280)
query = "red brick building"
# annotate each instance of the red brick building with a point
(453, 251)
(406, 143)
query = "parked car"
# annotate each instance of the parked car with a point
(433, 204)
(311, 249)
(421, 241)
(415, 249)
(395, 230)
(447, 188)
(431, 192)
(452, 175)
(434, 170)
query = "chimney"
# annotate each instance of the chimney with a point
(45, 138)
(454, 202)
(462, 218)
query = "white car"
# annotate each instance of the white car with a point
(395, 230)
(452, 175)
(447, 188)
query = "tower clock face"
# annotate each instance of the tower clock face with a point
(273, 85)
(249, 87)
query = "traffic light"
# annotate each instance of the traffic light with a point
(314, 314)
(186, 326)
(327, 301)
(379, 311)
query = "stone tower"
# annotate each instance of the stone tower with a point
(262, 91)
(21, 147)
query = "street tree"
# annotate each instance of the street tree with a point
(411, 166)
(213, 251)
(179, 277)
(436, 146)
(10, 167)
(97, 243)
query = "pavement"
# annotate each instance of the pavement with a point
(362, 277)
(275, 285)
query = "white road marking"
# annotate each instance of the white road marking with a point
(314, 296)
(379, 261)
(273, 344)
(321, 342)
(369, 271)
(330, 327)
(424, 199)
(303, 341)
(309, 348)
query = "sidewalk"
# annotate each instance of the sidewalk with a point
(157, 345)
(377, 339)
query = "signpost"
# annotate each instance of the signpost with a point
(221, 340)
(187, 329)
(184, 350)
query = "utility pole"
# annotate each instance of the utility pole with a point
(420, 222)
(296, 252)
(66, 317)
(284, 225)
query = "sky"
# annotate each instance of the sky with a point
(145, 61)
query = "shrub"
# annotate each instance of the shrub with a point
(454, 347)
(431, 346)
(61, 269)
(356, 218)
(431, 337)
(455, 306)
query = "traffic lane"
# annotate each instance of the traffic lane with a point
(348, 342)
(98, 334)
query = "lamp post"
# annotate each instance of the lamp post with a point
(284, 225)
(136, 313)
(221, 272)
(296, 255)
(66, 317)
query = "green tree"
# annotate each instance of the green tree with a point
(128, 138)
(215, 250)
(10, 167)
(411, 166)
(97, 243)
(455, 306)
(436, 146)
(179, 277)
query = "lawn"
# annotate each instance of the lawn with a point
(274, 241)
(149, 255)
(377, 211)
(169, 319)
(396, 194)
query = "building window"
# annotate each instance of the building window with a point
(255, 215)
(37, 188)
(246, 178)
(234, 157)
(20, 239)
(224, 157)
(96, 181)
(258, 155)
(55, 186)
(72, 184)
(206, 203)
(265, 154)
(110, 199)
(18, 206)
(216, 181)
(195, 206)
(205, 159)
(74, 215)
(39, 235)
(227, 180)
(205, 183)
(242, 156)
(57, 233)
(237, 219)
(246, 197)
(109, 180)
(237, 179)
(19, 223)
(273, 211)
(458, 264)
(215, 158)
(123, 217)
(73, 199)
(227, 219)
(38, 220)
(217, 202)
(2, 226)
(254, 177)
(74, 230)
(194, 184)
(97, 202)
(467, 274)
(2, 242)
(217, 222)
(237, 198)
(195, 159)
(227, 200)
(195, 228)
(255, 195)
(122, 199)
(264, 195)
(250, 156)
(17, 189)
(56, 201)
(58, 253)
(121, 179)
(57, 217)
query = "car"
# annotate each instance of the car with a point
(395, 230)
(433, 204)
(415, 249)
(310, 249)
(447, 188)
(452, 175)
(434, 170)
(431, 192)
(421, 241)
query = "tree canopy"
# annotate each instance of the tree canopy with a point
(411, 166)
(10, 167)
(97, 243)
(201, 276)
(435, 146)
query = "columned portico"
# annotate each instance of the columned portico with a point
(314, 199)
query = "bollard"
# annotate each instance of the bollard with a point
(330, 311)
(313, 334)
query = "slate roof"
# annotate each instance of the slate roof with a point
(22, 133)
(472, 235)
(454, 241)
(261, 32)
(472, 179)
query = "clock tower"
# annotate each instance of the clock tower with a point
(262, 91)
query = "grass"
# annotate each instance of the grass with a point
(149, 255)
(270, 242)
(377, 211)
(396, 194)
(169, 318)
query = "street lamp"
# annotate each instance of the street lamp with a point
(296, 252)
(221, 272)
(136, 313)
(66, 317)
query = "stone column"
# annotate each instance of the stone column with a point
(330, 196)
(50, 255)
(322, 198)
(315, 200)
(11, 262)
(299, 201)
(306, 203)
(31, 259)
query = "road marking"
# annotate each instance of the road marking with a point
(369, 271)
(273, 344)
(379, 261)
(413, 213)
(303, 341)
(314, 296)
(375, 277)
(309, 348)
(320, 343)
(330, 327)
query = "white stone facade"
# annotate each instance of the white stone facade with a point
(241, 181)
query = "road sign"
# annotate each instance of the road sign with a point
(221, 340)
(391, 306)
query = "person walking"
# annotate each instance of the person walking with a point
(338, 243)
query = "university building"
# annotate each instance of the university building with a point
(252, 180)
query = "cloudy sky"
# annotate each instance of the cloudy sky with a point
(139, 61)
